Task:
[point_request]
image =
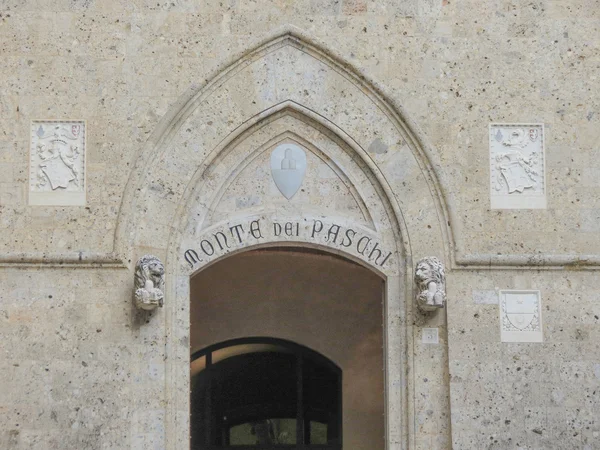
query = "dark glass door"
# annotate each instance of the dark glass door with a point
(261, 393)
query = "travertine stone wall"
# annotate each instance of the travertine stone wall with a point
(525, 395)
(82, 369)
(451, 66)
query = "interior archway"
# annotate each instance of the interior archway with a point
(311, 298)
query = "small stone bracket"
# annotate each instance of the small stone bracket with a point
(149, 283)
(430, 278)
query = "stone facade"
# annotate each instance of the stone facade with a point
(391, 102)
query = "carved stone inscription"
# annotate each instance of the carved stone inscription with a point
(517, 166)
(520, 316)
(261, 230)
(57, 163)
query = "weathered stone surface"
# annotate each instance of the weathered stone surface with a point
(391, 100)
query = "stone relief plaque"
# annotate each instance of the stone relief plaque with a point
(57, 163)
(288, 166)
(520, 316)
(517, 166)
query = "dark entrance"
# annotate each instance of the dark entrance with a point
(259, 393)
(277, 393)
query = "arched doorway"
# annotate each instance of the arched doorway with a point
(316, 377)
(264, 391)
(204, 176)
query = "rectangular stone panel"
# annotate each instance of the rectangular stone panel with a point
(430, 336)
(517, 166)
(486, 297)
(520, 316)
(57, 163)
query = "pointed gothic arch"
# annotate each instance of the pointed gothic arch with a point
(197, 97)
(192, 156)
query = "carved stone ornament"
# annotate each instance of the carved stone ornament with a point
(57, 163)
(288, 166)
(149, 283)
(517, 166)
(520, 316)
(431, 284)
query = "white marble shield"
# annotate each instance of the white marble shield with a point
(521, 310)
(288, 166)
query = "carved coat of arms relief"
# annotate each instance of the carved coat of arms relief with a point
(517, 166)
(288, 167)
(57, 163)
(520, 316)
